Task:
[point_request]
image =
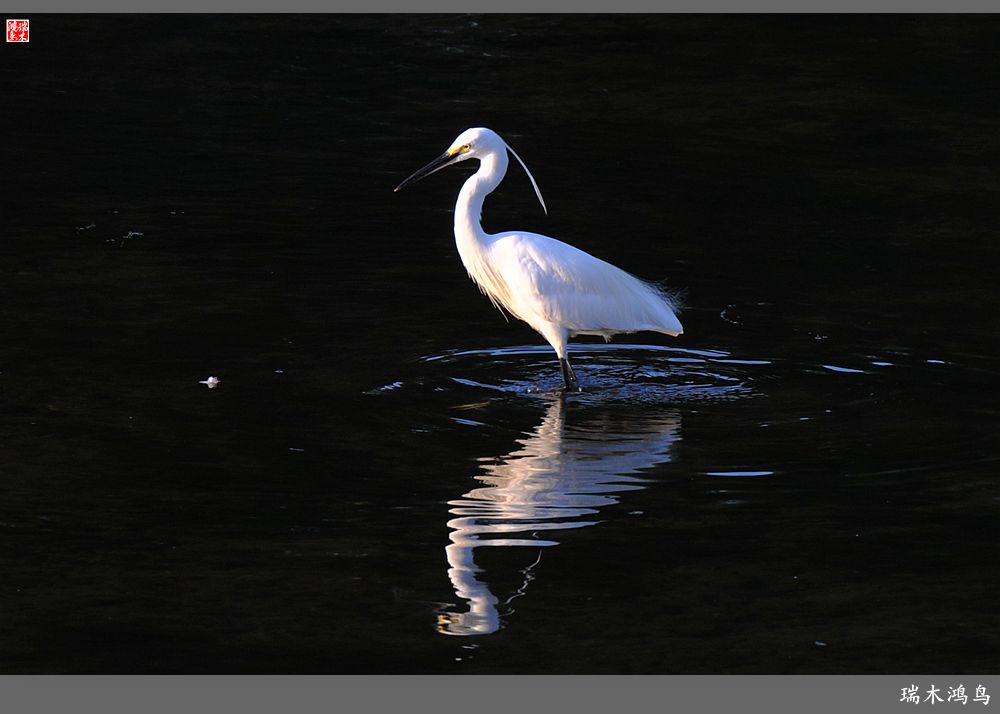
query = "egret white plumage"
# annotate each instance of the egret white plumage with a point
(560, 290)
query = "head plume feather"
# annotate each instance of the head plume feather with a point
(532, 178)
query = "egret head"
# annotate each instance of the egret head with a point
(475, 143)
(470, 144)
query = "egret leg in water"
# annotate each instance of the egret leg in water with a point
(559, 290)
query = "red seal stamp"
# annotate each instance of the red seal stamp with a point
(17, 30)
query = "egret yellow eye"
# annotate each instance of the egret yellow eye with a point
(465, 148)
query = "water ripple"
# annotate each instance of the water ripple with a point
(607, 373)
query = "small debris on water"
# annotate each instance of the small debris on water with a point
(727, 318)
(125, 237)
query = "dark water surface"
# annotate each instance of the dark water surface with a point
(387, 478)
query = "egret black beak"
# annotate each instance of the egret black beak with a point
(437, 164)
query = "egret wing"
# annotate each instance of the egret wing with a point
(557, 283)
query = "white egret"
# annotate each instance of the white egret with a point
(559, 290)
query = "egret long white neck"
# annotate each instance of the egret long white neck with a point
(469, 209)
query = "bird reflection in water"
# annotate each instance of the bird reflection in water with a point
(561, 475)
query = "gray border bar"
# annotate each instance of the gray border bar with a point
(508, 6)
(485, 694)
